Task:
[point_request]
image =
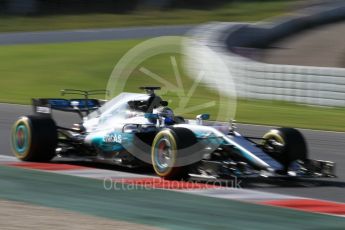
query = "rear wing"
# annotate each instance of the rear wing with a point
(82, 106)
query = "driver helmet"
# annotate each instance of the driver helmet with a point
(165, 112)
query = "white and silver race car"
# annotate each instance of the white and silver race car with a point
(136, 130)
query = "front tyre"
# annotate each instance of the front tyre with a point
(168, 148)
(285, 145)
(34, 138)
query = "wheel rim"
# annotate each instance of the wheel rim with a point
(20, 139)
(273, 137)
(163, 154)
(272, 149)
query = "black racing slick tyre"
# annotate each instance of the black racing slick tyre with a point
(34, 138)
(170, 148)
(290, 145)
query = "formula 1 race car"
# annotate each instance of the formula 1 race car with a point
(136, 130)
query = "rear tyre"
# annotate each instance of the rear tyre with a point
(34, 138)
(168, 147)
(291, 146)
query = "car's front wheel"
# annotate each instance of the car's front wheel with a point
(169, 149)
(285, 145)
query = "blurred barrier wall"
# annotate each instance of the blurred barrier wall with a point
(47, 7)
(301, 84)
(50, 7)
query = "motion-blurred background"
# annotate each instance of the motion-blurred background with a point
(287, 60)
(27, 15)
(47, 45)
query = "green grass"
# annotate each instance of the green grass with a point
(291, 115)
(29, 71)
(245, 11)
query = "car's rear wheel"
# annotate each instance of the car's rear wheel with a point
(168, 148)
(285, 145)
(34, 138)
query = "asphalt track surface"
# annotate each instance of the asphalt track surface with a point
(322, 145)
(84, 35)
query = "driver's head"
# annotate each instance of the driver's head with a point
(167, 113)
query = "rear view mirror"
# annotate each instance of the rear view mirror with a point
(204, 116)
(201, 117)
